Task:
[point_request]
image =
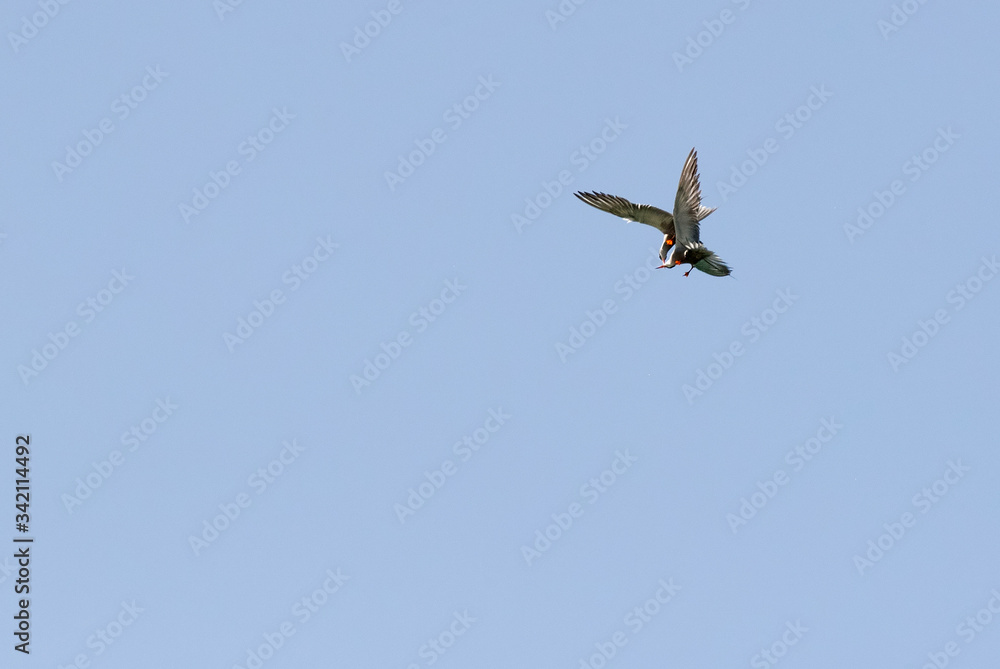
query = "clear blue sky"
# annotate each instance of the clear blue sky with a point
(322, 361)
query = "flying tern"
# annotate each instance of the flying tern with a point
(681, 230)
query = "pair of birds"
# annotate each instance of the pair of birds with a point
(681, 230)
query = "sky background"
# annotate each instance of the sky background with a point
(127, 284)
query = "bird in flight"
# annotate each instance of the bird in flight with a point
(681, 230)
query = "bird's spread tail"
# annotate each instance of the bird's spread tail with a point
(713, 265)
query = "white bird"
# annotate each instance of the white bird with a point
(681, 230)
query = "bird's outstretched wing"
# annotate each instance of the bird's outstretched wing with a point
(641, 213)
(688, 210)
